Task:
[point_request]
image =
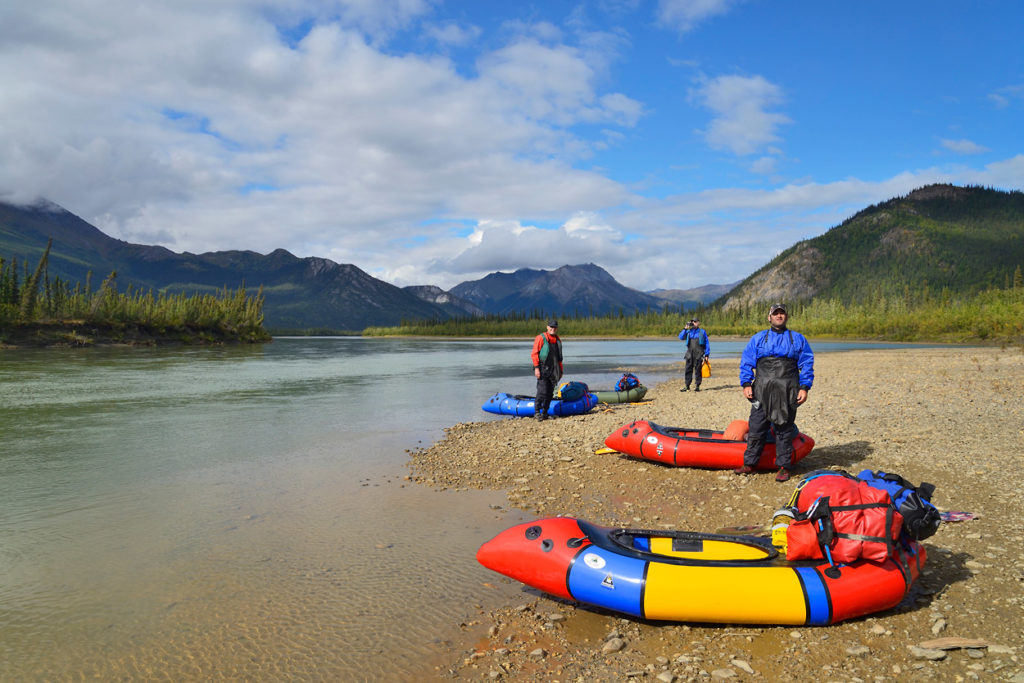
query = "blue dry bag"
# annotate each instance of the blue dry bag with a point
(626, 382)
(571, 391)
(920, 517)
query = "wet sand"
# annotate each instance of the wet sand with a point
(951, 416)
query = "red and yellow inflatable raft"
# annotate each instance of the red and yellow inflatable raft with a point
(688, 576)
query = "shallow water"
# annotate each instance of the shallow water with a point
(240, 512)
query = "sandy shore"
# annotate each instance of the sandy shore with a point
(953, 417)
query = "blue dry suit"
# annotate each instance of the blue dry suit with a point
(784, 364)
(696, 336)
(697, 347)
(784, 344)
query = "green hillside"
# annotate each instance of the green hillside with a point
(939, 238)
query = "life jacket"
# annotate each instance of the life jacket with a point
(920, 517)
(571, 391)
(550, 355)
(841, 518)
(626, 382)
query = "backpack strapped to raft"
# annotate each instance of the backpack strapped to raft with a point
(841, 518)
(920, 517)
(627, 381)
(571, 391)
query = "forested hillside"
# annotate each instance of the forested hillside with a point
(940, 237)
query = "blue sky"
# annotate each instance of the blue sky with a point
(675, 143)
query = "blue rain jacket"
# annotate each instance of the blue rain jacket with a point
(702, 338)
(786, 344)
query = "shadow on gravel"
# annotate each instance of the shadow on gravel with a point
(845, 455)
(945, 568)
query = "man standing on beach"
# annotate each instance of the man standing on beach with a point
(776, 372)
(698, 347)
(547, 367)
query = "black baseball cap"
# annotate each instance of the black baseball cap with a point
(552, 323)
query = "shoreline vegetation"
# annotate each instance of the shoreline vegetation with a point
(38, 311)
(993, 316)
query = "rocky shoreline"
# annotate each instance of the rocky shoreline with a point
(77, 334)
(949, 416)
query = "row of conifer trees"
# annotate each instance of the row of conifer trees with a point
(32, 297)
(992, 315)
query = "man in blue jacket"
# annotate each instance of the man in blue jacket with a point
(697, 349)
(776, 372)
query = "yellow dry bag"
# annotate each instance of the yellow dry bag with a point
(705, 368)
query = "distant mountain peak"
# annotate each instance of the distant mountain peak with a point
(585, 289)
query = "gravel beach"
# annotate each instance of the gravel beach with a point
(950, 416)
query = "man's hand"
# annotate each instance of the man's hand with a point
(536, 373)
(801, 396)
(748, 392)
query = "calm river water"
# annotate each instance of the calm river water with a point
(239, 512)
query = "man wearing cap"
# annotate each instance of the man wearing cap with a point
(547, 367)
(697, 348)
(776, 372)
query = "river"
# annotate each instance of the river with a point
(192, 513)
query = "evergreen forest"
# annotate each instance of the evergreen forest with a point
(37, 309)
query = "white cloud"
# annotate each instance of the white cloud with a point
(495, 244)
(1005, 96)
(296, 124)
(156, 120)
(453, 34)
(684, 15)
(963, 146)
(742, 121)
(764, 165)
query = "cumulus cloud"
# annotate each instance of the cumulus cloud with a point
(201, 124)
(494, 244)
(1005, 96)
(743, 122)
(684, 15)
(453, 34)
(310, 125)
(963, 146)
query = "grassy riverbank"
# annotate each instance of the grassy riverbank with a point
(993, 316)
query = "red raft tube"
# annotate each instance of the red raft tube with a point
(695, 577)
(686, 447)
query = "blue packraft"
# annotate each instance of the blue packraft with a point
(626, 382)
(920, 517)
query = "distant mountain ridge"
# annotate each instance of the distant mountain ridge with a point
(581, 289)
(453, 305)
(962, 239)
(941, 237)
(301, 293)
(692, 298)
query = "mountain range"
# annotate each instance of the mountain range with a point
(307, 293)
(942, 237)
